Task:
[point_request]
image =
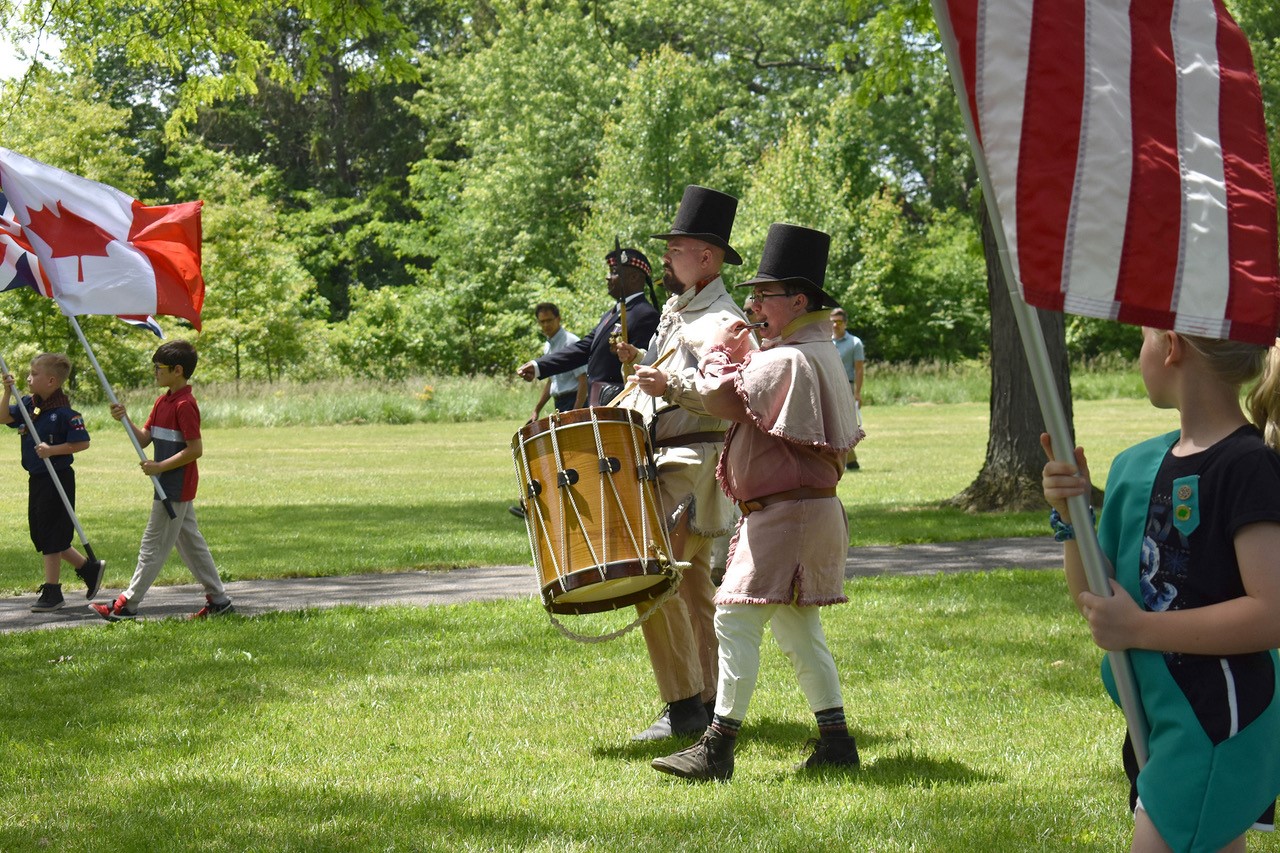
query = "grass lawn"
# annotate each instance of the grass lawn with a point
(333, 500)
(974, 698)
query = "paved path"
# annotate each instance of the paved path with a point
(495, 582)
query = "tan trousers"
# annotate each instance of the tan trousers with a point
(681, 636)
(162, 535)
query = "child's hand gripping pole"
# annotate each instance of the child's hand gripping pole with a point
(53, 475)
(111, 397)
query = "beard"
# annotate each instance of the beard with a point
(671, 283)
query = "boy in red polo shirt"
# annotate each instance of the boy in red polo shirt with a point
(174, 428)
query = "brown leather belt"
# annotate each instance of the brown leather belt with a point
(805, 493)
(714, 436)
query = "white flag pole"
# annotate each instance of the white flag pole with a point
(53, 475)
(111, 396)
(1097, 569)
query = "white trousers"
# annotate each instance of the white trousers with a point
(798, 630)
(162, 535)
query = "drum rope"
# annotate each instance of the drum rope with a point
(530, 505)
(636, 547)
(567, 499)
(677, 572)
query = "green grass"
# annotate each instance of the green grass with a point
(333, 500)
(974, 698)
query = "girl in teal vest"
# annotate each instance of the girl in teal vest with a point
(1191, 524)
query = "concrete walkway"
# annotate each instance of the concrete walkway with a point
(253, 597)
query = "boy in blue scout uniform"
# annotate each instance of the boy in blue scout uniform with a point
(60, 434)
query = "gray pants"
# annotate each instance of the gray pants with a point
(162, 535)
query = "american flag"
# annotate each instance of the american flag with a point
(1127, 153)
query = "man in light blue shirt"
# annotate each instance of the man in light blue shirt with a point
(854, 358)
(570, 387)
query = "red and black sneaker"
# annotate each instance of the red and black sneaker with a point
(116, 611)
(212, 608)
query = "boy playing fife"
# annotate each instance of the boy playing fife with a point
(174, 427)
(60, 433)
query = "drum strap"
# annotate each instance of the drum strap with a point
(709, 437)
(801, 494)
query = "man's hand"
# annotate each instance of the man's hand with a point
(734, 337)
(117, 411)
(527, 371)
(625, 352)
(651, 380)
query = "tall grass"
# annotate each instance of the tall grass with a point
(449, 399)
(471, 399)
(970, 382)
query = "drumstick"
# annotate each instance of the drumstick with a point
(618, 399)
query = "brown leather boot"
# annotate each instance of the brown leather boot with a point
(685, 718)
(710, 758)
(831, 752)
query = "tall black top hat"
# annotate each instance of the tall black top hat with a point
(706, 215)
(795, 255)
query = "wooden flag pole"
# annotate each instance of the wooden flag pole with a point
(53, 475)
(111, 396)
(1097, 568)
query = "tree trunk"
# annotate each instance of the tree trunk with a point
(1010, 476)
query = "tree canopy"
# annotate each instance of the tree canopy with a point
(391, 187)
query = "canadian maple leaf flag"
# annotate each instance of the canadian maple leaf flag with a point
(100, 250)
(1127, 154)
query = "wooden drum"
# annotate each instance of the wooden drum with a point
(592, 510)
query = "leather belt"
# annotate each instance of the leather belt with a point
(805, 493)
(714, 436)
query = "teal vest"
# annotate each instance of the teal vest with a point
(1199, 796)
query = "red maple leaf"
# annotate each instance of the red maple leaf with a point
(69, 235)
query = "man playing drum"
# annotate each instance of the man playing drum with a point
(680, 635)
(627, 276)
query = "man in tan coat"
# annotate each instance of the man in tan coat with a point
(680, 635)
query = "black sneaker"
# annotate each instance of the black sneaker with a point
(91, 573)
(211, 609)
(517, 511)
(50, 598)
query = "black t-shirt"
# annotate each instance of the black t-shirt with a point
(1198, 504)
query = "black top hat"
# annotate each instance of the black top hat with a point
(795, 255)
(706, 215)
(629, 258)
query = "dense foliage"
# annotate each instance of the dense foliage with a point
(392, 186)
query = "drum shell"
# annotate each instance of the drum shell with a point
(596, 542)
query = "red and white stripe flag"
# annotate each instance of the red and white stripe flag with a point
(1127, 153)
(102, 251)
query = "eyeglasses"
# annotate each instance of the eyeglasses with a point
(761, 297)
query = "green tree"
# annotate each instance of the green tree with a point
(665, 131)
(259, 314)
(210, 52)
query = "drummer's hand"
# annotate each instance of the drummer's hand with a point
(651, 380)
(625, 352)
(734, 337)
(527, 371)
